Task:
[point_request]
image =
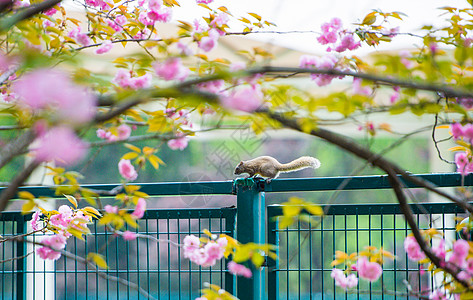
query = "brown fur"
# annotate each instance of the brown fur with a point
(269, 167)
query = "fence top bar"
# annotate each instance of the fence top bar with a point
(379, 209)
(276, 185)
(361, 182)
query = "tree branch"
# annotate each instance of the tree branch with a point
(26, 13)
(10, 191)
(10, 150)
(375, 159)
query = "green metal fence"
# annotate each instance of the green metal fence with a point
(301, 272)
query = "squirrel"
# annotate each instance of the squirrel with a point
(269, 167)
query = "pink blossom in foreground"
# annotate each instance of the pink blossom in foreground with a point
(360, 89)
(111, 209)
(56, 242)
(207, 43)
(171, 69)
(460, 252)
(412, 249)
(104, 48)
(46, 88)
(368, 270)
(207, 255)
(326, 62)
(123, 79)
(439, 249)
(129, 236)
(60, 144)
(140, 209)
(239, 270)
(179, 143)
(245, 99)
(345, 282)
(124, 132)
(215, 86)
(396, 95)
(121, 20)
(127, 170)
(438, 295)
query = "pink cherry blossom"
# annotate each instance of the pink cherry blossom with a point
(214, 86)
(347, 42)
(39, 90)
(239, 270)
(34, 221)
(111, 209)
(220, 19)
(368, 270)
(396, 95)
(171, 69)
(343, 281)
(359, 89)
(245, 99)
(124, 132)
(237, 66)
(57, 241)
(405, 59)
(103, 134)
(438, 295)
(104, 48)
(60, 144)
(439, 249)
(469, 265)
(140, 82)
(164, 14)
(145, 20)
(127, 170)
(191, 243)
(114, 25)
(461, 248)
(121, 20)
(330, 31)
(207, 43)
(47, 253)
(179, 143)
(412, 249)
(129, 236)
(140, 209)
(463, 163)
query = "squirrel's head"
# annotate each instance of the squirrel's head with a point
(239, 169)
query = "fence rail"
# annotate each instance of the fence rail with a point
(301, 272)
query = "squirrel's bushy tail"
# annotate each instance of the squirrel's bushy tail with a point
(300, 163)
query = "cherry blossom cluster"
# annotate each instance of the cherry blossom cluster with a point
(138, 213)
(459, 256)
(207, 252)
(368, 270)
(336, 37)
(327, 62)
(59, 223)
(65, 108)
(463, 159)
(121, 133)
(127, 170)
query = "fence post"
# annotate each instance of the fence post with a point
(251, 219)
(20, 263)
(273, 265)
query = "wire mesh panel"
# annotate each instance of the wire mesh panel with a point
(306, 251)
(158, 268)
